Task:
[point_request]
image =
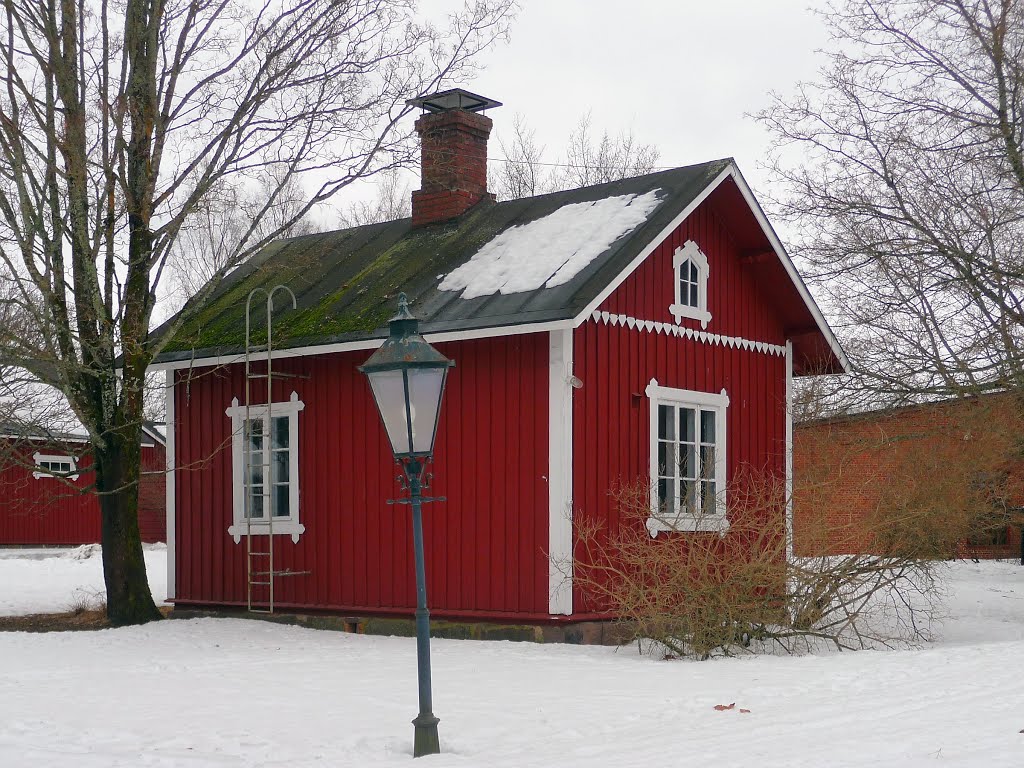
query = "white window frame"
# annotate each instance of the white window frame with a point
(690, 251)
(281, 525)
(659, 395)
(39, 458)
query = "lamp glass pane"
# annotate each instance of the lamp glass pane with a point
(425, 398)
(389, 392)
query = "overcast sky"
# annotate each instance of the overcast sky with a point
(681, 74)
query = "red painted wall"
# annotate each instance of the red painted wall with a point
(485, 546)
(46, 511)
(611, 413)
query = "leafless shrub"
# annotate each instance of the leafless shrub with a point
(706, 594)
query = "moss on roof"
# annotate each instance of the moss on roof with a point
(346, 282)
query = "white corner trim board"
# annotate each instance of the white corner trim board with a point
(651, 326)
(169, 482)
(560, 389)
(789, 451)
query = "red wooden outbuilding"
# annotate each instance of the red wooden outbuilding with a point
(46, 482)
(595, 332)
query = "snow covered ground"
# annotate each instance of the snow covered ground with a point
(54, 580)
(219, 692)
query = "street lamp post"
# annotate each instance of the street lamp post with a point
(407, 378)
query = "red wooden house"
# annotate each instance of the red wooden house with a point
(593, 330)
(44, 488)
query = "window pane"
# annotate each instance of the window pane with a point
(693, 272)
(666, 458)
(707, 426)
(707, 462)
(255, 434)
(690, 497)
(281, 501)
(694, 298)
(708, 499)
(280, 432)
(687, 465)
(256, 502)
(666, 422)
(279, 467)
(256, 468)
(666, 496)
(686, 425)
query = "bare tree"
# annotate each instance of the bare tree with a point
(207, 244)
(392, 201)
(596, 160)
(901, 172)
(119, 122)
(520, 171)
(590, 159)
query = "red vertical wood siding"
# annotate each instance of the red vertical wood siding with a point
(611, 413)
(49, 512)
(485, 546)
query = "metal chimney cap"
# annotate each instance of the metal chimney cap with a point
(456, 98)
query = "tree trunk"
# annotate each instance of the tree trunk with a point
(129, 600)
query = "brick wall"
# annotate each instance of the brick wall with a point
(854, 474)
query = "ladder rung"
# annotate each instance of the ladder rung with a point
(280, 573)
(264, 583)
(260, 610)
(259, 554)
(279, 375)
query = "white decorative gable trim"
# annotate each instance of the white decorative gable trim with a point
(651, 326)
(683, 306)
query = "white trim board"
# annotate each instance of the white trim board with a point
(651, 326)
(366, 344)
(169, 488)
(560, 466)
(789, 451)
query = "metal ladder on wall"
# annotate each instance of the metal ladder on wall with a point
(260, 570)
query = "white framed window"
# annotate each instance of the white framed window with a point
(52, 465)
(688, 452)
(265, 468)
(691, 269)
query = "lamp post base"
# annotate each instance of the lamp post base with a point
(425, 741)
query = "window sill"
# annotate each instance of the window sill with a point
(281, 527)
(686, 524)
(680, 311)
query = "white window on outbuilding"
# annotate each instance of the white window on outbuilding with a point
(265, 468)
(687, 441)
(51, 465)
(691, 269)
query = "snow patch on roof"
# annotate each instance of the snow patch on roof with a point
(551, 250)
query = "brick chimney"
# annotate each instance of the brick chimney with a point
(453, 147)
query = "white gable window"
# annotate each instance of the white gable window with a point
(691, 284)
(265, 468)
(50, 465)
(687, 460)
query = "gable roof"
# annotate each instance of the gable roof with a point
(346, 282)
